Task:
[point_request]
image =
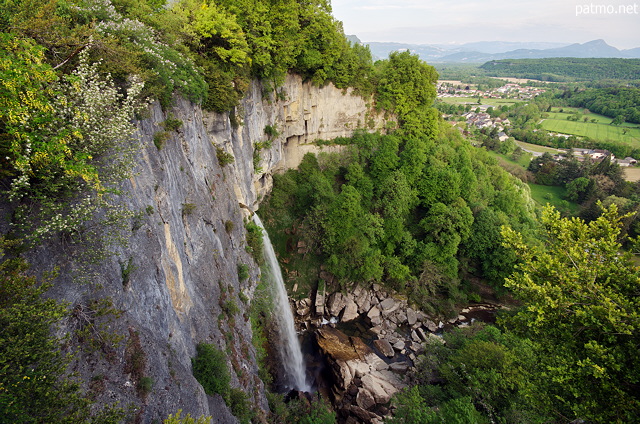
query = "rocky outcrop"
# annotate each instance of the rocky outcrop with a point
(307, 113)
(364, 381)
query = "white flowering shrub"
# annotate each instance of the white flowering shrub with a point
(170, 70)
(78, 145)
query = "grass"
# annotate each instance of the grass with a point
(598, 130)
(523, 162)
(553, 195)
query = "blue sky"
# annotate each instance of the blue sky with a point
(461, 21)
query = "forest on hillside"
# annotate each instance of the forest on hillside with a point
(565, 69)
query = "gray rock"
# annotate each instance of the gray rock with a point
(431, 326)
(411, 316)
(350, 311)
(385, 347)
(336, 304)
(422, 334)
(399, 367)
(364, 399)
(399, 346)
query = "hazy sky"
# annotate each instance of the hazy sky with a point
(461, 21)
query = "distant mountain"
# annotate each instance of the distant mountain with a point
(505, 46)
(632, 53)
(426, 52)
(484, 51)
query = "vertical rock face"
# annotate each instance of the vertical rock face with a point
(306, 114)
(174, 281)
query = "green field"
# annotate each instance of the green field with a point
(473, 101)
(600, 130)
(553, 195)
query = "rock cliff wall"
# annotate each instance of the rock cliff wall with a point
(174, 281)
(302, 114)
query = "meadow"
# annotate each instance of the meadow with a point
(600, 130)
(553, 195)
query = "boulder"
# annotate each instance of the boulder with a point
(303, 310)
(374, 316)
(411, 316)
(361, 414)
(422, 334)
(364, 303)
(336, 303)
(364, 399)
(350, 310)
(431, 326)
(399, 367)
(389, 305)
(320, 297)
(399, 345)
(382, 385)
(384, 347)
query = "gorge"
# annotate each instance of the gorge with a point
(175, 282)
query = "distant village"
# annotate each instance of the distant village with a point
(507, 91)
(479, 118)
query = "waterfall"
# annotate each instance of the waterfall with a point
(290, 351)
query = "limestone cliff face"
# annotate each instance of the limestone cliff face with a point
(175, 282)
(306, 114)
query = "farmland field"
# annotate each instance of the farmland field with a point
(632, 174)
(473, 101)
(539, 149)
(600, 130)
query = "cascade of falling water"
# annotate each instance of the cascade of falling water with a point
(290, 351)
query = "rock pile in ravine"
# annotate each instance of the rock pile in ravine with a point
(366, 377)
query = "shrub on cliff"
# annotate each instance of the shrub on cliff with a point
(211, 370)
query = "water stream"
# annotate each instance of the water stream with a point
(289, 346)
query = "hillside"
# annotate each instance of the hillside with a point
(565, 69)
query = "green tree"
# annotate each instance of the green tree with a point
(582, 307)
(406, 86)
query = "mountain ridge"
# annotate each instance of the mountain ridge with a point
(483, 51)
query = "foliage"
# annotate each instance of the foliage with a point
(255, 244)
(188, 208)
(241, 406)
(187, 419)
(613, 102)
(478, 375)
(406, 87)
(224, 158)
(581, 301)
(402, 212)
(300, 411)
(34, 384)
(243, 272)
(211, 370)
(64, 148)
(159, 138)
(565, 69)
